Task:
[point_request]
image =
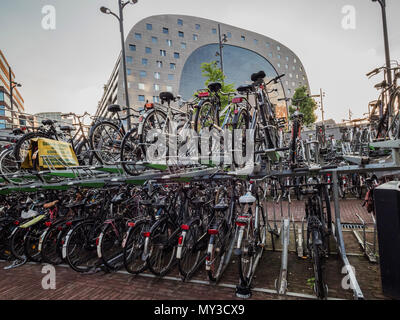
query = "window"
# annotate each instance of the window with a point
(279, 65)
(156, 87)
(289, 90)
(287, 58)
(243, 38)
(172, 66)
(214, 31)
(169, 43)
(286, 66)
(278, 56)
(180, 22)
(270, 54)
(159, 64)
(141, 98)
(154, 39)
(229, 34)
(293, 84)
(163, 53)
(294, 60)
(278, 48)
(129, 59)
(157, 75)
(195, 37)
(301, 68)
(141, 86)
(1, 96)
(143, 74)
(255, 41)
(156, 99)
(148, 50)
(132, 47)
(176, 55)
(183, 45)
(144, 61)
(169, 88)
(304, 78)
(129, 85)
(267, 45)
(165, 30)
(170, 77)
(128, 72)
(2, 111)
(149, 26)
(138, 36)
(181, 34)
(197, 27)
(291, 75)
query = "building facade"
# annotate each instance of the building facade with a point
(165, 52)
(11, 116)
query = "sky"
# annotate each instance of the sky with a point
(65, 69)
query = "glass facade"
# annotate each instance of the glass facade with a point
(239, 64)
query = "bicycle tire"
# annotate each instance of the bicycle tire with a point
(26, 137)
(133, 248)
(109, 240)
(163, 241)
(129, 143)
(96, 133)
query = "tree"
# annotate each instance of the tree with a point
(306, 105)
(214, 74)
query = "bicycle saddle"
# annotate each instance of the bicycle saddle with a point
(17, 131)
(221, 206)
(167, 97)
(381, 85)
(114, 108)
(67, 128)
(258, 76)
(48, 122)
(247, 198)
(245, 88)
(215, 87)
(118, 198)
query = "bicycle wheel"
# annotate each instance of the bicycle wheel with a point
(319, 285)
(17, 241)
(31, 244)
(105, 141)
(23, 145)
(109, 244)
(80, 246)
(133, 248)
(218, 257)
(9, 167)
(49, 249)
(84, 154)
(243, 124)
(132, 151)
(394, 124)
(194, 248)
(163, 241)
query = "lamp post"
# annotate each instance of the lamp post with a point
(221, 46)
(122, 4)
(386, 39)
(13, 85)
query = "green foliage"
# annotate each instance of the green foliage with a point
(306, 104)
(311, 282)
(213, 73)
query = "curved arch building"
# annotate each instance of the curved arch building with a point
(164, 53)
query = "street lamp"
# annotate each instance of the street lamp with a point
(13, 85)
(122, 4)
(220, 42)
(386, 39)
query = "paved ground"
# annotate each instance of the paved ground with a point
(25, 282)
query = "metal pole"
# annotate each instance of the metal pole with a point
(322, 107)
(386, 39)
(121, 27)
(11, 97)
(220, 49)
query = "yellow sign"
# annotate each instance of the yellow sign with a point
(48, 153)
